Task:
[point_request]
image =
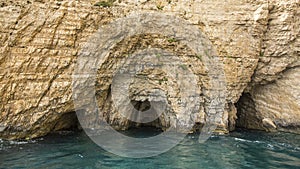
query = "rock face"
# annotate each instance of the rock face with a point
(271, 101)
(257, 41)
(274, 106)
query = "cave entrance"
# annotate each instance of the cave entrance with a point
(247, 116)
(148, 129)
(67, 122)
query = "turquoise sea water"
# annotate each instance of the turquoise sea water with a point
(241, 149)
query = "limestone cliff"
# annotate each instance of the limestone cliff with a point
(258, 42)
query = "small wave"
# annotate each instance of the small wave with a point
(249, 141)
(242, 140)
(270, 146)
(18, 142)
(214, 136)
(21, 142)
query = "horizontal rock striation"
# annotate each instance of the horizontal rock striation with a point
(257, 41)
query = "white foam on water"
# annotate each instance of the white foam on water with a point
(242, 140)
(21, 142)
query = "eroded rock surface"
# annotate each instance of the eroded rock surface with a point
(258, 42)
(274, 106)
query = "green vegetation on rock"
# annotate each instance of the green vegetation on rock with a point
(108, 3)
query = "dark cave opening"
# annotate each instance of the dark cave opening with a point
(143, 130)
(67, 122)
(146, 129)
(247, 116)
(141, 105)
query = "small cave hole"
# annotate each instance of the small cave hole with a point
(141, 105)
(67, 122)
(143, 130)
(247, 117)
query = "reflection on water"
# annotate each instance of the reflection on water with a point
(238, 150)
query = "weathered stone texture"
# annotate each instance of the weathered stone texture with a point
(258, 41)
(274, 88)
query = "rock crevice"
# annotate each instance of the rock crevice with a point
(257, 41)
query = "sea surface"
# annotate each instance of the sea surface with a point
(240, 149)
